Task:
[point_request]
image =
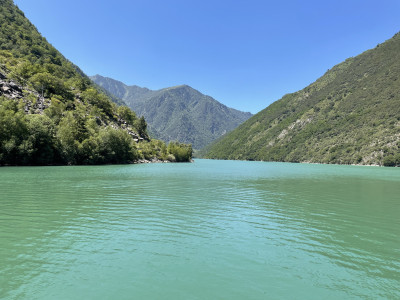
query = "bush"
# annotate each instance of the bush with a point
(181, 152)
(93, 97)
(39, 146)
(13, 131)
(389, 161)
(127, 115)
(116, 146)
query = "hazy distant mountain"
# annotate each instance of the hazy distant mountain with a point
(178, 113)
(351, 115)
(130, 94)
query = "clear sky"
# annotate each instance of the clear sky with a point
(246, 54)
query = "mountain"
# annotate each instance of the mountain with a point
(351, 115)
(52, 113)
(131, 94)
(178, 113)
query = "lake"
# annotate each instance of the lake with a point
(205, 230)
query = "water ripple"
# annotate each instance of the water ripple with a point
(237, 229)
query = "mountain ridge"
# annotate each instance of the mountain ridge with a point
(350, 115)
(177, 113)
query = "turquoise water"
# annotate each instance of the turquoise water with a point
(206, 230)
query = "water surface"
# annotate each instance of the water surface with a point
(206, 230)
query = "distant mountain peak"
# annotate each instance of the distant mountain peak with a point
(179, 112)
(181, 86)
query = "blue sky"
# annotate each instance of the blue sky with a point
(245, 54)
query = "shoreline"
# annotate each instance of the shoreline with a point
(301, 162)
(140, 161)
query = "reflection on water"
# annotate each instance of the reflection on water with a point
(211, 229)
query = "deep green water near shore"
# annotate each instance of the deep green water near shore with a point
(206, 230)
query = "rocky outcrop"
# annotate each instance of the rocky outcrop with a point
(38, 106)
(12, 90)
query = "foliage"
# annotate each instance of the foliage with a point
(93, 97)
(181, 152)
(153, 149)
(392, 160)
(39, 146)
(351, 115)
(116, 146)
(126, 114)
(25, 139)
(13, 131)
(75, 123)
(141, 127)
(174, 152)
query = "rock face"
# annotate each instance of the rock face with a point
(178, 113)
(10, 89)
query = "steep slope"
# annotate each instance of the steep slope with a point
(351, 115)
(177, 113)
(51, 113)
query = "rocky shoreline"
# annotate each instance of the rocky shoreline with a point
(157, 161)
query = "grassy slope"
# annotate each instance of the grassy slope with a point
(349, 115)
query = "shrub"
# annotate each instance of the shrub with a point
(389, 161)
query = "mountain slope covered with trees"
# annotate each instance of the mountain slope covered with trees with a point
(51, 113)
(351, 115)
(178, 113)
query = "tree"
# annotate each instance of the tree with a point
(389, 161)
(49, 85)
(141, 127)
(24, 71)
(181, 152)
(93, 97)
(39, 146)
(68, 138)
(13, 130)
(127, 115)
(116, 146)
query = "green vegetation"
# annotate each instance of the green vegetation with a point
(181, 152)
(351, 115)
(51, 113)
(177, 113)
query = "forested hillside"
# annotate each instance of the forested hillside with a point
(51, 113)
(351, 115)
